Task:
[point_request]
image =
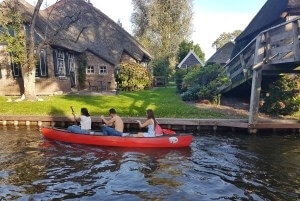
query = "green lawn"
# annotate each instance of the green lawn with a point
(163, 100)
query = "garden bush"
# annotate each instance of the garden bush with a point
(179, 75)
(207, 80)
(282, 96)
(191, 94)
(133, 77)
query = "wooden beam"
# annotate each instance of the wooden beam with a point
(284, 71)
(256, 85)
(255, 96)
(296, 40)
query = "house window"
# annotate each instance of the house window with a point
(41, 67)
(90, 70)
(15, 67)
(71, 63)
(102, 70)
(61, 67)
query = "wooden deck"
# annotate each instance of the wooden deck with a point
(193, 125)
(274, 51)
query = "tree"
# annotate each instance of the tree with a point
(282, 96)
(185, 47)
(21, 48)
(225, 37)
(162, 25)
(22, 45)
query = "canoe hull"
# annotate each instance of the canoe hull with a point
(173, 141)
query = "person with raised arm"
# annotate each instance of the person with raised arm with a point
(114, 126)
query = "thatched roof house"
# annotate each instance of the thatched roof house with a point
(272, 13)
(190, 60)
(97, 32)
(72, 28)
(222, 55)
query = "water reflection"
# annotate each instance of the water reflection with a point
(216, 167)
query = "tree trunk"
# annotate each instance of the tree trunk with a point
(29, 83)
(29, 67)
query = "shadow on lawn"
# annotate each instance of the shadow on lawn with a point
(56, 112)
(138, 102)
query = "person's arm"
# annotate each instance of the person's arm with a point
(110, 122)
(145, 124)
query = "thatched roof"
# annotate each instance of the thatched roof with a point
(272, 13)
(222, 55)
(85, 28)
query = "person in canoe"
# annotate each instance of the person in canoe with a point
(150, 123)
(85, 123)
(114, 126)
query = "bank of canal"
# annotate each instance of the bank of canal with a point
(215, 167)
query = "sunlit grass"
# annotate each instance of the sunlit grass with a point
(164, 101)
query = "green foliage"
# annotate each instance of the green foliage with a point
(133, 77)
(12, 33)
(204, 83)
(185, 47)
(179, 75)
(192, 75)
(82, 64)
(161, 26)
(160, 66)
(282, 98)
(191, 94)
(225, 37)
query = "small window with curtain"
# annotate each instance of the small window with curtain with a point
(41, 66)
(90, 70)
(102, 70)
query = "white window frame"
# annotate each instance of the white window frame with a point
(71, 62)
(102, 71)
(60, 57)
(89, 70)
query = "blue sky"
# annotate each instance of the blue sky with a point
(237, 6)
(211, 17)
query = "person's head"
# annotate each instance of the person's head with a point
(112, 112)
(85, 112)
(150, 115)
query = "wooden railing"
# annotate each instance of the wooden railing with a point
(274, 46)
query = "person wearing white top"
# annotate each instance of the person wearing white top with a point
(85, 123)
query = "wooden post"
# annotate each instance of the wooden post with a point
(296, 41)
(256, 83)
(243, 65)
(255, 96)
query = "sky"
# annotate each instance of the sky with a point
(210, 18)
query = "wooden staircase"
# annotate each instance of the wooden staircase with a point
(275, 50)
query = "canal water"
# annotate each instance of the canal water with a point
(215, 167)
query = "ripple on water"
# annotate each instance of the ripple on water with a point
(216, 167)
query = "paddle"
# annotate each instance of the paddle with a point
(75, 120)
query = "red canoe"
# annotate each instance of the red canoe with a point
(166, 141)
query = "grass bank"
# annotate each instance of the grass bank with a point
(163, 100)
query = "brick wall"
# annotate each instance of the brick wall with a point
(126, 57)
(102, 81)
(44, 86)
